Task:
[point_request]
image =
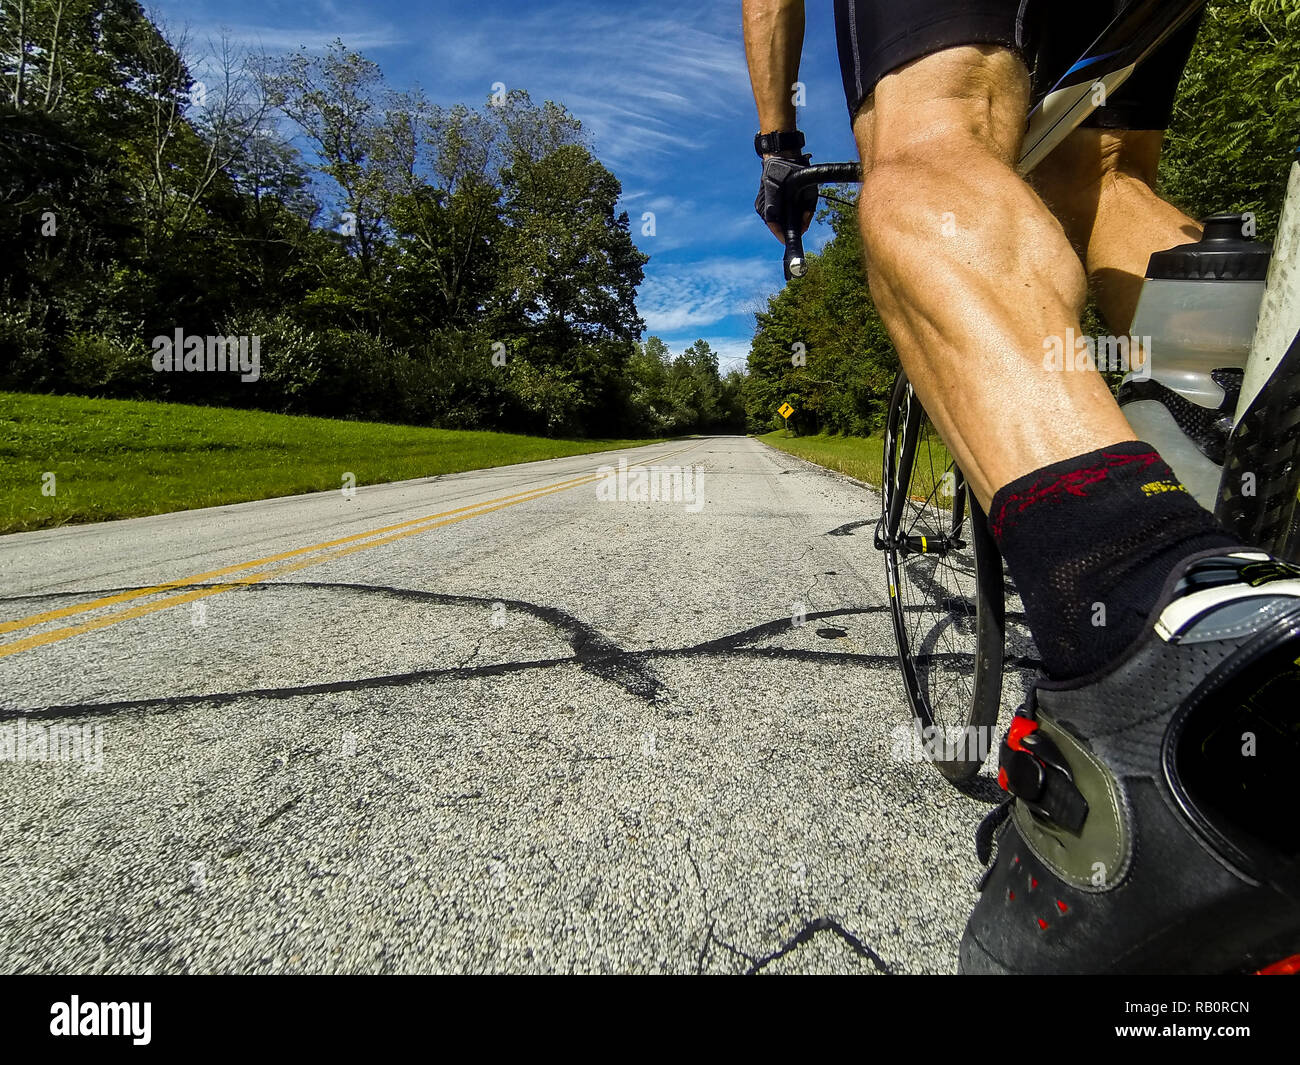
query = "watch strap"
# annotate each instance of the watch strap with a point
(781, 140)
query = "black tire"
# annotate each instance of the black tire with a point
(945, 592)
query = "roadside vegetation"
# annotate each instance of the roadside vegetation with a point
(862, 457)
(66, 459)
(463, 266)
(859, 457)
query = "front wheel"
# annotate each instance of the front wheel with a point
(945, 591)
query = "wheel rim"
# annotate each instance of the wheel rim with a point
(933, 583)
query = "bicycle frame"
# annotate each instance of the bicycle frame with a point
(1261, 469)
(1104, 66)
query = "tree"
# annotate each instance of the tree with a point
(648, 393)
(1237, 113)
(334, 99)
(444, 207)
(820, 345)
(571, 266)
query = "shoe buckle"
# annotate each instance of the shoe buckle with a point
(1032, 768)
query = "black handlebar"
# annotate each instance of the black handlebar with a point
(792, 223)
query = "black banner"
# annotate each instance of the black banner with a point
(215, 1014)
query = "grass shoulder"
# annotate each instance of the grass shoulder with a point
(857, 456)
(69, 459)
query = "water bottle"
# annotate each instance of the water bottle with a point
(1195, 319)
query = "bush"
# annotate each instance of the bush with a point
(105, 366)
(549, 401)
(463, 387)
(290, 368)
(24, 350)
(337, 373)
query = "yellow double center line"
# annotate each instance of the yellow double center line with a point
(344, 546)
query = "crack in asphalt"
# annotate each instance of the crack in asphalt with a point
(571, 755)
(593, 652)
(758, 963)
(474, 653)
(456, 800)
(280, 812)
(704, 901)
(812, 928)
(806, 596)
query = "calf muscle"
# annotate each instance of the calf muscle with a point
(970, 270)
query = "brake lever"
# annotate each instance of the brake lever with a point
(795, 263)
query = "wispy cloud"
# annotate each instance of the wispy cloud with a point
(700, 294)
(327, 22)
(686, 222)
(644, 83)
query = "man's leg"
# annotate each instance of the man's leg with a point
(971, 272)
(1100, 185)
(975, 280)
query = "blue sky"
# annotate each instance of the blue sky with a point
(660, 86)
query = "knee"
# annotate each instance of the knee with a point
(1089, 161)
(918, 193)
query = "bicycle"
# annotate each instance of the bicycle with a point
(946, 579)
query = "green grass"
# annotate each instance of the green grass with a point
(858, 456)
(121, 459)
(863, 457)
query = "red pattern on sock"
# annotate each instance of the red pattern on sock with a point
(1071, 483)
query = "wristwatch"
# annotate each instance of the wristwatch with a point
(782, 140)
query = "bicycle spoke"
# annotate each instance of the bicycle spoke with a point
(937, 589)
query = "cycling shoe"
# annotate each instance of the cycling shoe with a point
(1153, 825)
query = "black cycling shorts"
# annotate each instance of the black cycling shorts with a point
(877, 36)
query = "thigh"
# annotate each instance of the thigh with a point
(1077, 165)
(950, 105)
(876, 37)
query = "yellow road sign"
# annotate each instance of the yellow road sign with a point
(786, 410)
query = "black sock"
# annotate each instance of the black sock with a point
(1089, 543)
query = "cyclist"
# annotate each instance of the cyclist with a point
(1141, 835)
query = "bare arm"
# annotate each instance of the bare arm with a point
(773, 46)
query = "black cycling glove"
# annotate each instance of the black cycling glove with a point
(768, 201)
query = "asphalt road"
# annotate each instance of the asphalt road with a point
(495, 721)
